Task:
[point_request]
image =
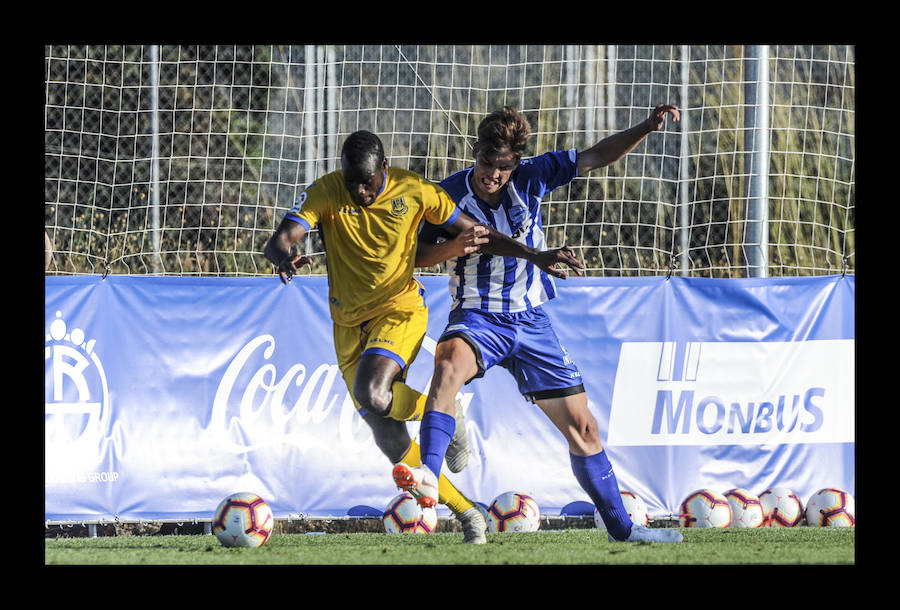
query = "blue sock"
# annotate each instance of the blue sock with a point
(435, 434)
(595, 475)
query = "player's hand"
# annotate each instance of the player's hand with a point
(549, 259)
(288, 267)
(658, 115)
(470, 240)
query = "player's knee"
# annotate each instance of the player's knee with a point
(374, 399)
(584, 436)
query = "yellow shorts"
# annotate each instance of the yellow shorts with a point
(397, 335)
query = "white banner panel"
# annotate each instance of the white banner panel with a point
(734, 393)
(162, 395)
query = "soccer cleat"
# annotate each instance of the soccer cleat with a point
(473, 526)
(419, 482)
(642, 533)
(457, 455)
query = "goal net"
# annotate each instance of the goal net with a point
(182, 159)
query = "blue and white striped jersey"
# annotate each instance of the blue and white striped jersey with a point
(505, 284)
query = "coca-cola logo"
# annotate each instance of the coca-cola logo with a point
(256, 405)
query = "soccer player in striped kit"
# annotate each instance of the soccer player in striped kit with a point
(496, 316)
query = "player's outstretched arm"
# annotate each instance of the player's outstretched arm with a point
(467, 241)
(497, 244)
(278, 249)
(548, 260)
(500, 244)
(611, 149)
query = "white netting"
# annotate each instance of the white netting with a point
(181, 159)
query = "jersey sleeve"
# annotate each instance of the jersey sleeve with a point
(307, 208)
(554, 169)
(440, 209)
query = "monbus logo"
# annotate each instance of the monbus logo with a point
(733, 393)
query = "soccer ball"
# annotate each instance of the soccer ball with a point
(746, 509)
(782, 507)
(634, 504)
(403, 515)
(243, 519)
(705, 508)
(513, 512)
(831, 507)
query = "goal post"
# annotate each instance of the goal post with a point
(182, 159)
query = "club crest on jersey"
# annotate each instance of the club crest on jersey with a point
(517, 233)
(398, 207)
(519, 219)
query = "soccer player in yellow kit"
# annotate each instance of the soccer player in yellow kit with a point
(369, 215)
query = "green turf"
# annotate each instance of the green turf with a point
(801, 545)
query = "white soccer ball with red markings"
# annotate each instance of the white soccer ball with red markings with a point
(634, 504)
(782, 507)
(705, 508)
(746, 509)
(513, 512)
(403, 515)
(831, 507)
(243, 519)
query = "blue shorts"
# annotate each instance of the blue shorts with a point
(524, 343)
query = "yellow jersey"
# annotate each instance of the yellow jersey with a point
(371, 250)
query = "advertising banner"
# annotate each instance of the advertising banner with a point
(165, 394)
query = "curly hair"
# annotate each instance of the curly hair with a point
(503, 128)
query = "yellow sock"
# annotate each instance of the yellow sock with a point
(448, 495)
(407, 403)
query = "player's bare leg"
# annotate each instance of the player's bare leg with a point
(391, 436)
(372, 383)
(571, 416)
(454, 364)
(373, 388)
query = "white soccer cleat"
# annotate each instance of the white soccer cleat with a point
(473, 525)
(457, 455)
(642, 533)
(419, 482)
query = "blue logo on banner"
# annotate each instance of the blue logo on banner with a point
(712, 414)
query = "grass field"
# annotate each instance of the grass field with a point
(796, 546)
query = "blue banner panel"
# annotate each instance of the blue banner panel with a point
(163, 395)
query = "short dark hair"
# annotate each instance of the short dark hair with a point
(362, 147)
